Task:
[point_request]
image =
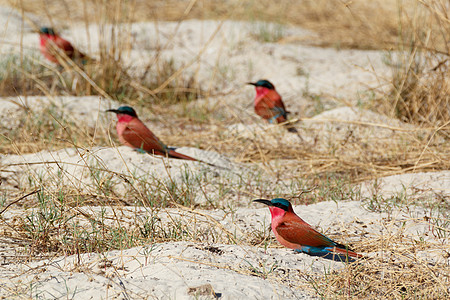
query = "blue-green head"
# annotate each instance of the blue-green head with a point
(125, 110)
(277, 202)
(47, 30)
(263, 83)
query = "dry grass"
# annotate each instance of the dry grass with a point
(346, 24)
(420, 86)
(57, 221)
(395, 274)
(353, 156)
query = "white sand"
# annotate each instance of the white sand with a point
(431, 184)
(73, 167)
(89, 111)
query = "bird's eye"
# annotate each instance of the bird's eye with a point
(279, 205)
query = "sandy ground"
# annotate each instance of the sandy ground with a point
(170, 270)
(213, 269)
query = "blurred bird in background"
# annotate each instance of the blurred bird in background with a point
(50, 42)
(269, 105)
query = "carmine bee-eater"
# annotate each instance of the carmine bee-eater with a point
(133, 133)
(49, 41)
(294, 233)
(268, 104)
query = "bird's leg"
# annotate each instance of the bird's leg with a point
(140, 150)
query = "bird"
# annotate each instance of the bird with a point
(133, 133)
(268, 103)
(50, 40)
(294, 233)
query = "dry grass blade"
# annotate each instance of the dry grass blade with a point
(19, 199)
(421, 88)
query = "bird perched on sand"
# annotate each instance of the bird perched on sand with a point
(294, 233)
(133, 133)
(50, 41)
(268, 103)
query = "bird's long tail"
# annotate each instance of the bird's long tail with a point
(290, 127)
(174, 154)
(344, 251)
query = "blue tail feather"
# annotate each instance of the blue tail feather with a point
(325, 252)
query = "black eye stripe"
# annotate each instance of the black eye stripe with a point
(279, 205)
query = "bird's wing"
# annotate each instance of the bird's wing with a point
(297, 231)
(139, 136)
(277, 106)
(263, 108)
(267, 109)
(278, 110)
(276, 99)
(64, 45)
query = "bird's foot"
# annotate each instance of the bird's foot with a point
(140, 150)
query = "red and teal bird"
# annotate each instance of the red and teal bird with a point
(133, 133)
(49, 41)
(294, 233)
(268, 103)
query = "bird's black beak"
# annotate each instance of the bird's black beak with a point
(112, 110)
(264, 201)
(251, 83)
